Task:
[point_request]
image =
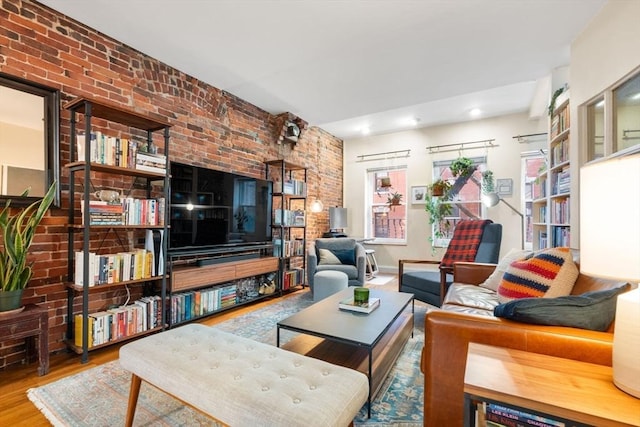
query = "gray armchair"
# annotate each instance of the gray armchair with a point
(340, 254)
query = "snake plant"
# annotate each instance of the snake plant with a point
(17, 235)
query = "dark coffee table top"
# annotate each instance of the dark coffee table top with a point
(324, 318)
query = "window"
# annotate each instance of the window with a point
(385, 221)
(465, 198)
(595, 130)
(613, 119)
(626, 110)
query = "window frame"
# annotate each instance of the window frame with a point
(372, 177)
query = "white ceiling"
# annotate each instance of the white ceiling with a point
(345, 64)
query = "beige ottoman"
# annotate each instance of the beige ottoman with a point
(241, 382)
(328, 282)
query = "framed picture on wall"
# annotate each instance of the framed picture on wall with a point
(419, 194)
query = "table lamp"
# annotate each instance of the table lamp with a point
(492, 199)
(610, 247)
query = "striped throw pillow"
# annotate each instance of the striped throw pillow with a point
(549, 273)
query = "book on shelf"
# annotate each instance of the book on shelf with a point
(501, 415)
(348, 304)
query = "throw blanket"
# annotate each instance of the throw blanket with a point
(465, 241)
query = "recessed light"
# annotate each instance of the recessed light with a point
(413, 121)
(475, 112)
(636, 96)
(365, 130)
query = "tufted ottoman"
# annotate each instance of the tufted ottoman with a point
(328, 282)
(241, 382)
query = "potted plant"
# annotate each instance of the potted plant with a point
(462, 166)
(17, 235)
(394, 199)
(439, 188)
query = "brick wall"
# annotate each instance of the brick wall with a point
(210, 128)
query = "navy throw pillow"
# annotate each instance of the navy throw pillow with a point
(591, 310)
(346, 256)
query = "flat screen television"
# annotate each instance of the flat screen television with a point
(212, 209)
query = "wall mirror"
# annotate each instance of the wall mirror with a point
(29, 140)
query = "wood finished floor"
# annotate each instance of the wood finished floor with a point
(17, 410)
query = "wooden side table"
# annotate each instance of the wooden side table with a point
(571, 392)
(31, 323)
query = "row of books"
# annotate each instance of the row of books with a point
(116, 151)
(130, 211)
(292, 187)
(562, 181)
(560, 152)
(497, 415)
(288, 248)
(560, 122)
(120, 267)
(189, 305)
(560, 211)
(295, 218)
(121, 322)
(293, 278)
(561, 236)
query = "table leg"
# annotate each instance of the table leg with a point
(278, 336)
(43, 341)
(370, 382)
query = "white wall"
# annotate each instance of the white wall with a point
(602, 55)
(504, 161)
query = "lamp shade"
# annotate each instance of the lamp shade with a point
(610, 247)
(316, 206)
(337, 218)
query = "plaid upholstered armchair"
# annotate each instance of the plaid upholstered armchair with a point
(473, 240)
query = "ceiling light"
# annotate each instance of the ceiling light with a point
(475, 112)
(636, 96)
(365, 130)
(412, 121)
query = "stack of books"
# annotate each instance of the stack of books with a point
(151, 162)
(349, 305)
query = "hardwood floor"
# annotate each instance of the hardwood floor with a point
(17, 410)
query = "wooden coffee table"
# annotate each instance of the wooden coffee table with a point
(369, 343)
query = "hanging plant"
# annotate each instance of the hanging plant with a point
(438, 212)
(488, 183)
(462, 166)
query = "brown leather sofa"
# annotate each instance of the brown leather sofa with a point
(449, 330)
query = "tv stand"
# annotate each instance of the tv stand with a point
(203, 284)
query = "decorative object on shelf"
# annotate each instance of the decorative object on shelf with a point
(462, 166)
(610, 247)
(439, 188)
(492, 199)
(108, 195)
(18, 232)
(394, 199)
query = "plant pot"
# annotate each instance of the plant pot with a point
(10, 300)
(437, 191)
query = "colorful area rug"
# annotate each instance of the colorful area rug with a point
(98, 396)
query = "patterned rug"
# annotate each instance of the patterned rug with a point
(98, 396)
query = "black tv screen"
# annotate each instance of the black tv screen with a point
(211, 208)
